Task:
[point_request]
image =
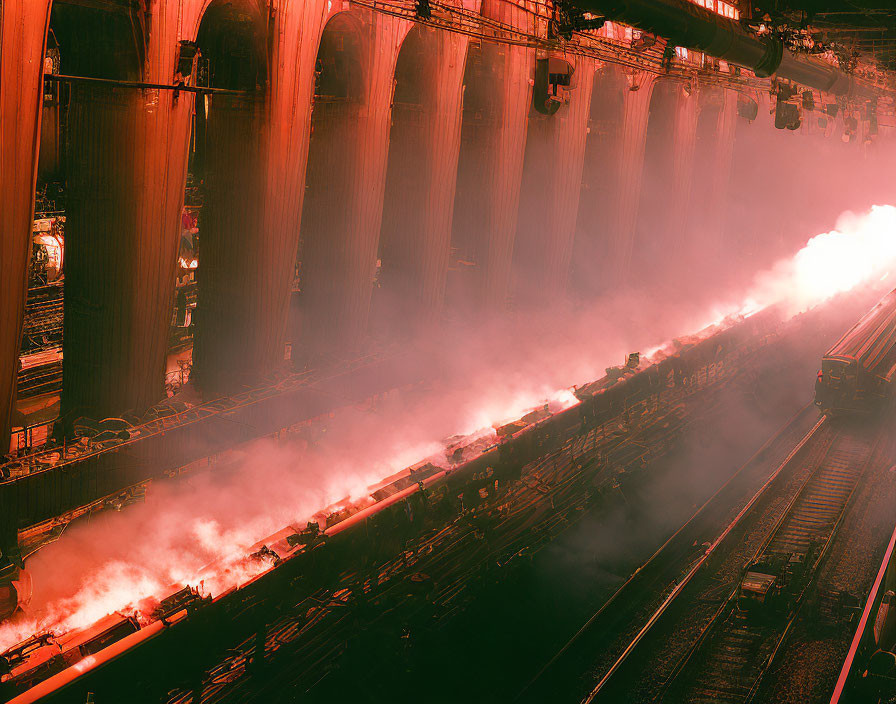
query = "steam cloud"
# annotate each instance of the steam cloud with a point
(116, 559)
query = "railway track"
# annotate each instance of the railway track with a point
(730, 647)
(636, 600)
(728, 662)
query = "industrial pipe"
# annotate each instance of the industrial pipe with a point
(693, 27)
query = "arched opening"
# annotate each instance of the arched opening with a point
(88, 176)
(653, 239)
(40, 360)
(473, 222)
(401, 289)
(712, 162)
(99, 42)
(335, 263)
(603, 150)
(229, 165)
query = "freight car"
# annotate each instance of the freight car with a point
(435, 491)
(857, 373)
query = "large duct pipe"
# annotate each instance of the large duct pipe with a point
(688, 25)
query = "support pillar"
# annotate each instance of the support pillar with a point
(126, 170)
(665, 184)
(505, 176)
(23, 29)
(714, 149)
(603, 151)
(684, 138)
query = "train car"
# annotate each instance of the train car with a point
(857, 372)
(469, 472)
(43, 655)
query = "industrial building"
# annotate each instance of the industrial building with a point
(447, 350)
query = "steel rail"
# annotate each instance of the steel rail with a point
(800, 601)
(849, 661)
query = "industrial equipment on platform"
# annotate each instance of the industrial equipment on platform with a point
(554, 78)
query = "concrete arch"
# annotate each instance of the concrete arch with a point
(421, 174)
(623, 214)
(344, 24)
(713, 144)
(591, 268)
(195, 12)
(230, 327)
(100, 44)
(667, 172)
(234, 36)
(337, 244)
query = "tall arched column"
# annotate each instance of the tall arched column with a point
(164, 126)
(297, 27)
(549, 197)
(125, 178)
(22, 39)
(421, 176)
(724, 157)
(345, 182)
(684, 139)
(507, 175)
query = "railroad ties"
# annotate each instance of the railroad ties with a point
(726, 665)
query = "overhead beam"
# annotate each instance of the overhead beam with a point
(693, 27)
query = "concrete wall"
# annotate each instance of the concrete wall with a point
(402, 172)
